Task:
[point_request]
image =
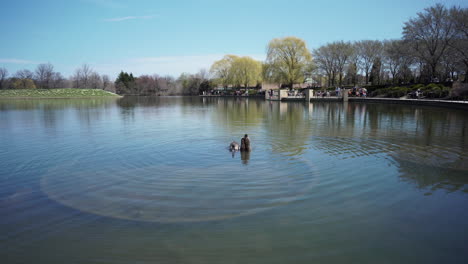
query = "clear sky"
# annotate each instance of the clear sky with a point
(170, 37)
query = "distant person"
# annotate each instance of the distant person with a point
(418, 93)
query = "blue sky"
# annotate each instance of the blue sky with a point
(171, 37)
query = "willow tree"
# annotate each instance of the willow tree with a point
(246, 72)
(287, 60)
(221, 70)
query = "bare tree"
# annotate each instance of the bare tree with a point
(3, 77)
(57, 80)
(430, 34)
(333, 58)
(396, 57)
(343, 52)
(459, 17)
(451, 63)
(353, 67)
(146, 85)
(76, 79)
(105, 82)
(94, 81)
(325, 60)
(376, 72)
(351, 72)
(43, 74)
(24, 74)
(166, 84)
(368, 51)
(203, 74)
(81, 77)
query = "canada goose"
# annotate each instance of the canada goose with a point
(245, 143)
(234, 146)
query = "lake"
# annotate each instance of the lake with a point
(151, 180)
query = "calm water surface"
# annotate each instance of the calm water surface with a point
(150, 180)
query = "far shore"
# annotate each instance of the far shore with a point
(68, 93)
(55, 94)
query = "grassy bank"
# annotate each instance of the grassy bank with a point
(54, 93)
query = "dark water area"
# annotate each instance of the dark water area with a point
(151, 180)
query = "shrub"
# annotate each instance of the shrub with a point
(459, 91)
(252, 92)
(417, 86)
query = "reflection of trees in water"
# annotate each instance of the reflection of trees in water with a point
(395, 124)
(52, 111)
(49, 116)
(430, 137)
(127, 107)
(433, 178)
(288, 127)
(410, 124)
(55, 104)
(429, 145)
(239, 115)
(350, 130)
(286, 124)
(129, 104)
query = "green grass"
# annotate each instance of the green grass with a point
(54, 93)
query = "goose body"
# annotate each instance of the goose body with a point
(234, 146)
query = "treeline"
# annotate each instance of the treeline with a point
(434, 48)
(44, 77)
(185, 84)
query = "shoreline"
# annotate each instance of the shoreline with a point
(58, 97)
(59, 93)
(463, 105)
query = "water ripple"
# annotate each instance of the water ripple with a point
(178, 193)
